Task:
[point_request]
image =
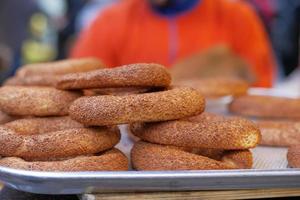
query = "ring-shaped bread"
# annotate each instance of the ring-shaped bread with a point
(293, 156)
(57, 144)
(171, 104)
(60, 67)
(35, 101)
(148, 156)
(111, 160)
(221, 133)
(40, 125)
(134, 75)
(279, 132)
(266, 106)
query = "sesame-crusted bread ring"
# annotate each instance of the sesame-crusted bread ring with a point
(140, 75)
(279, 133)
(217, 86)
(148, 156)
(35, 101)
(266, 106)
(33, 80)
(111, 160)
(57, 144)
(244, 157)
(149, 107)
(229, 134)
(293, 156)
(40, 125)
(206, 117)
(4, 117)
(60, 67)
(241, 159)
(215, 154)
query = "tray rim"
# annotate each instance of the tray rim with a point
(151, 174)
(132, 181)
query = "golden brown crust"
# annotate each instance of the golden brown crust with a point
(60, 67)
(116, 91)
(33, 126)
(217, 86)
(147, 156)
(4, 117)
(293, 156)
(35, 101)
(206, 117)
(111, 160)
(230, 134)
(58, 144)
(215, 154)
(156, 106)
(235, 158)
(241, 159)
(266, 106)
(134, 75)
(34, 80)
(279, 133)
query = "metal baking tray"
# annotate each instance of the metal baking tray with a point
(270, 171)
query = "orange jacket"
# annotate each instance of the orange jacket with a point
(131, 32)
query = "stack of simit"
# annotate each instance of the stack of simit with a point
(43, 137)
(174, 134)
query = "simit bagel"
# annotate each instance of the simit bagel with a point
(33, 126)
(293, 156)
(34, 80)
(279, 133)
(60, 67)
(229, 134)
(111, 160)
(147, 156)
(36, 101)
(266, 106)
(134, 75)
(4, 118)
(206, 117)
(57, 144)
(156, 106)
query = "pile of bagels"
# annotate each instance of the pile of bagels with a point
(63, 116)
(41, 135)
(277, 118)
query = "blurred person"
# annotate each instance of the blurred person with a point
(79, 14)
(14, 18)
(90, 10)
(5, 60)
(68, 29)
(267, 11)
(166, 31)
(286, 34)
(282, 20)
